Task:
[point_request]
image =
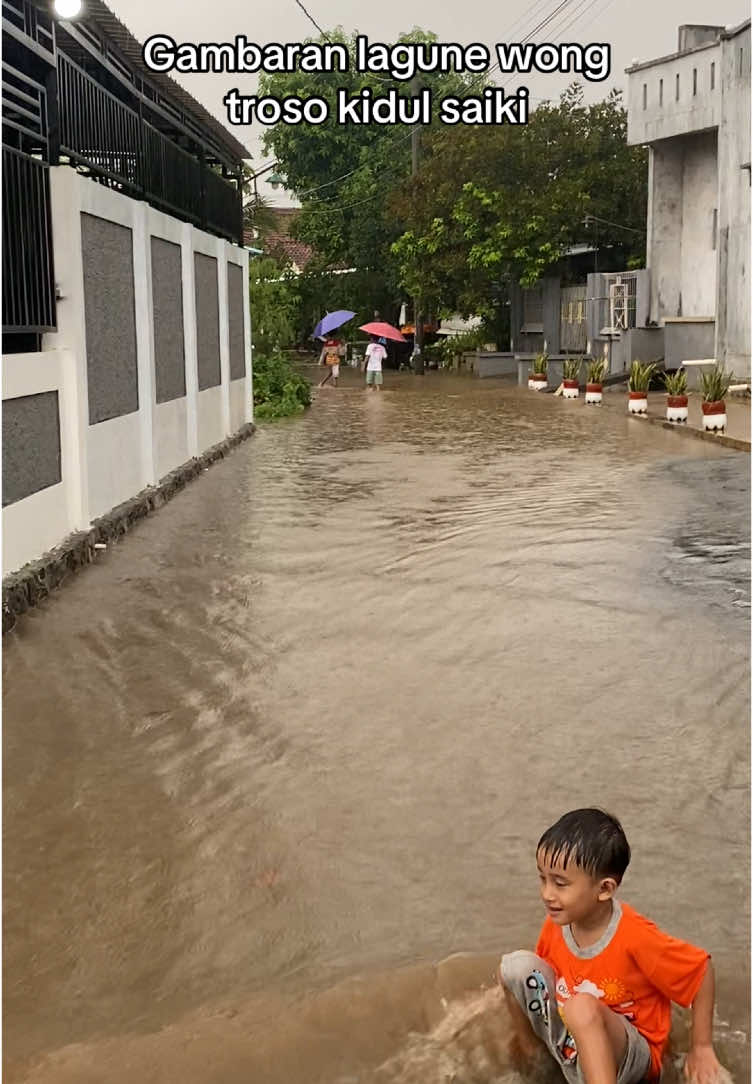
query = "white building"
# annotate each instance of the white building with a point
(126, 324)
(692, 110)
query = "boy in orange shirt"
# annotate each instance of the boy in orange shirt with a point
(597, 992)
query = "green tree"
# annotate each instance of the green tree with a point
(349, 222)
(494, 205)
(274, 304)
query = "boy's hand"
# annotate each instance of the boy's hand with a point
(701, 1065)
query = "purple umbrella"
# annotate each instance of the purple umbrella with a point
(330, 322)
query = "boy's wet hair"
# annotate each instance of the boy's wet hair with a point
(592, 839)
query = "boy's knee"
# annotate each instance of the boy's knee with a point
(581, 1011)
(515, 967)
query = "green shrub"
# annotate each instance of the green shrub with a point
(715, 384)
(640, 376)
(279, 391)
(571, 369)
(676, 383)
(596, 370)
(540, 363)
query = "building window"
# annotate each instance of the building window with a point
(695, 81)
(677, 87)
(714, 224)
(645, 95)
(661, 91)
(713, 75)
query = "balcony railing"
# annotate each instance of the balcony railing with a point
(28, 276)
(119, 147)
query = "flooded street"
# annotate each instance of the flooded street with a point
(292, 741)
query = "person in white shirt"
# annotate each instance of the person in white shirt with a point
(375, 355)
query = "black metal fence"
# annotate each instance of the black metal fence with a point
(119, 146)
(28, 275)
(54, 111)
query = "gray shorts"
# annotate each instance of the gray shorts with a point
(531, 982)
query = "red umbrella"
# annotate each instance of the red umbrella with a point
(383, 331)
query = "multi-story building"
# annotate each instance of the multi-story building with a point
(692, 110)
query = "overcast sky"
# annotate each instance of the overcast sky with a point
(636, 29)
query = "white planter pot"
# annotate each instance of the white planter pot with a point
(677, 413)
(593, 398)
(714, 422)
(638, 406)
(538, 385)
(570, 393)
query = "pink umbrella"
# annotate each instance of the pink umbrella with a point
(383, 331)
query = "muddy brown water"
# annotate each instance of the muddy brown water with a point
(291, 742)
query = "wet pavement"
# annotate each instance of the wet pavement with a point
(292, 741)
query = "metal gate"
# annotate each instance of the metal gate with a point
(573, 326)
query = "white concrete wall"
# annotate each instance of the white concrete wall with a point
(664, 227)
(698, 244)
(107, 463)
(734, 252)
(672, 116)
(38, 522)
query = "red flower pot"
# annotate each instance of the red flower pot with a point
(570, 383)
(677, 408)
(593, 387)
(714, 416)
(638, 403)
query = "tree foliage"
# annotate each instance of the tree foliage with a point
(494, 205)
(348, 223)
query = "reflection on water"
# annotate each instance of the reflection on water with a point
(294, 737)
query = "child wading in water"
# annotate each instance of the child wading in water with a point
(375, 355)
(332, 351)
(598, 989)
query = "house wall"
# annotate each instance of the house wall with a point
(118, 385)
(698, 233)
(734, 284)
(666, 114)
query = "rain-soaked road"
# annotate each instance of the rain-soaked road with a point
(293, 740)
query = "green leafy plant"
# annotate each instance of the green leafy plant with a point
(676, 383)
(640, 375)
(540, 364)
(279, 391)
(571, 369)
(715, 384)
(596, 371)
(449, 347)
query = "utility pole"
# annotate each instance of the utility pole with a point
(418, 316)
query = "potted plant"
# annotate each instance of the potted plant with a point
(596, 371)
(570, 378)
(677, 400)
(714, 386)
(537, 379)
(638, 384)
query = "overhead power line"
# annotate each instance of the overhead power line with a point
(405, 137)
(333, 207)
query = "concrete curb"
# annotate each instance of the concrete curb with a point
(699, 434)
(36, 580)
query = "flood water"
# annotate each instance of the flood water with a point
(292, 741)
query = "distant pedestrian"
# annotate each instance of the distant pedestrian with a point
(332, 351)
(375, 355)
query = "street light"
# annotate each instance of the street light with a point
(67, 9)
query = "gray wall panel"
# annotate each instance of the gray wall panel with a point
(167, 301)
(110, 319)
(207, 320)
(236, 297)
(31, 445)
